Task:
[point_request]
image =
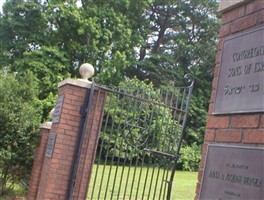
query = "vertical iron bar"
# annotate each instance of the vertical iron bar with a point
(173, 136)
(135, 167)
(118, 128)
(164, 143)
(153, 141)
(126, 153)
(108, 147)
(97, 136)
(158, 144)
(101, 147)
(122, 140)
(144, 188)
(190, 88)
(143, 156)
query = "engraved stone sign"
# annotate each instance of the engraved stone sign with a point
(233, 172)
(57, 111)
(50, 145)
(240, 86)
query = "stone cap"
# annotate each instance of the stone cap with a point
(78, 82)
(46, 125)
(226, 5)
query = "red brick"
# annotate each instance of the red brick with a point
(209, 135)
(217, 122)
(73, 123)
(244, 23)
(233, 14)
(216, 70)
(259, 5)
(75, 98)
(79, 93)
(202, 162)
(210, 109)
(224, 30)
(196, 196)
(251, 7)
(262, 121)
(220, 44)
(261, 17)
(212, 98)
(215, 82)
(228, 135)
(245, 121)
(218, 57)
(200, 175)
(254, 136)
(75, 113)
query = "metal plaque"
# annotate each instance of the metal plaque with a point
(50, 145)
(57, 112)
(233, 172)
(240, 86)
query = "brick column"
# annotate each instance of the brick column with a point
(38, 161)
(234, 129)
(71, 144)
(88, 152)
(57, 169)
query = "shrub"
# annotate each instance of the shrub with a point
(20, 114)
(190, 157)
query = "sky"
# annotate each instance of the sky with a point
(1, 3)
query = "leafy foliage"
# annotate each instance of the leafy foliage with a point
(138, 116)
(158, 41)
(190, 157)
(20, 114)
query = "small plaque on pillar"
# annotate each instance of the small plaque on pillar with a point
(57, 110)
(233, 172)
(50, 145)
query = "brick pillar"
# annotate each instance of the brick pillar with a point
(243, 129)
(88, 152)
(57, 167)
(38, 161)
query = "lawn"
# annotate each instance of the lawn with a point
(134, 183)
(184, 184)
(18, 192)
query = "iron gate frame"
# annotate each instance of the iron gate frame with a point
(184, 94)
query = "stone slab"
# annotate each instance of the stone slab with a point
(57, 111)
(50, 145)
(233, 172)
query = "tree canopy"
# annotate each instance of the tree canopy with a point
(157, 41)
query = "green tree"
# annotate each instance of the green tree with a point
(103, 33)
(20, 114)
(53, 38)
(154, 40)
(182, 36)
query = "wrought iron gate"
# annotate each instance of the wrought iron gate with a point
(139, 143)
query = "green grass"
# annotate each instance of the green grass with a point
(18, 191)
(119, 182)
(183, 188)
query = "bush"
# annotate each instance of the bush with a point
(20, 114)
(190, 157)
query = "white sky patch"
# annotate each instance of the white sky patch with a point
(1, 4)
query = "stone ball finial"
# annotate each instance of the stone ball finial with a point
(86, 71)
